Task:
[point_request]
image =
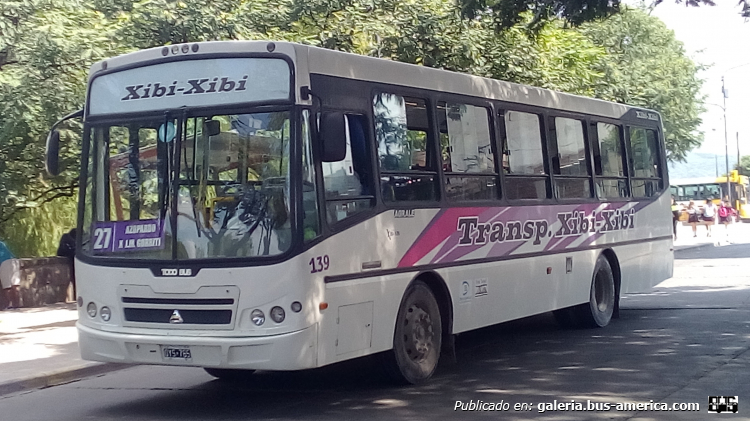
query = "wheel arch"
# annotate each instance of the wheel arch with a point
(614, 263)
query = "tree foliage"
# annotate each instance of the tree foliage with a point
(47, 46)
(646, 66)
(507, 13)
(744, 165)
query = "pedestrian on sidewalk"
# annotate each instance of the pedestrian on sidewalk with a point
(725, 214)
(709, 215)
(693, 217)
(675, 217)
(9, 279)
(67, 249)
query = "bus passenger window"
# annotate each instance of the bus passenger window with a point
(348, 182)
(644, 149)
(466, 151)
(570, 160)
(405, 151)
(523, 158)
(611, 181)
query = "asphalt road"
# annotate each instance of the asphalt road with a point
(686, 340)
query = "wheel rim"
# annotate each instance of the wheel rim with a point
(418, 333)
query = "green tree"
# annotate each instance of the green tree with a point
(46, 54)
(646, 66)
(507, 13)
(744, 165)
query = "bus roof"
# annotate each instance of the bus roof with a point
(318, 60)
(690, 181)
(337, 63)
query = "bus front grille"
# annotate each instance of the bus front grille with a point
(206, 307)
(178, 317)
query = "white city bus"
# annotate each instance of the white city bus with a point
(258, 205)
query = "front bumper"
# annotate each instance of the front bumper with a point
(290, 351)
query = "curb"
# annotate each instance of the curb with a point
(63, 376)
(694, 246)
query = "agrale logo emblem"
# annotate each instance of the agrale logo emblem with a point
(176, 318)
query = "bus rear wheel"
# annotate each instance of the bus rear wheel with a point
(229, 374)
(417, 337)
(602, 298)
(602, 301)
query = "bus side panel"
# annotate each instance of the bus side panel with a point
(502, 291)
(644, 265)
(361, 316)
(361, 313)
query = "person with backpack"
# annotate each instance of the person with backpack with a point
(725, 214)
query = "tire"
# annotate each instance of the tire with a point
(602, 298)
(417, 337)
(602, 301)
(228, 374)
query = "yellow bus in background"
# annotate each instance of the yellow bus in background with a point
(699, 190)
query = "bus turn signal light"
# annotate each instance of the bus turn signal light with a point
(323, 306)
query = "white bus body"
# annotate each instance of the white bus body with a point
(485, 262)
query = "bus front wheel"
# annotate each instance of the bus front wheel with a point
(229, 374)
(417, 337)
(598, 312)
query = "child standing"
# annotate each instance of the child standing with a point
(709, 215)
(725, 214)
(693, 217)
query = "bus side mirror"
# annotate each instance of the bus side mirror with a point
(52, 161)
(53, 153)
(332, 135)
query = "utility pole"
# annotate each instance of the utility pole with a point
(738, 150)
(726, 141)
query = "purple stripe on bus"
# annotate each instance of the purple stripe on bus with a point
(504, 249)
(489, 215)
(434, 234)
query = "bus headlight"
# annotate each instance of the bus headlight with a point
(296, 306)
(91, 309)
(105, 313)
(277, 314)
(258, 317)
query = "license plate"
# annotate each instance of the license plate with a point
(175, 353)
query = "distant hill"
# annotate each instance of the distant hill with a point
(700, 164)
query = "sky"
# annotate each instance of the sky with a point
(719, 37)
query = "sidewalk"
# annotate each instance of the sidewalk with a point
(39, 348)
(720, 236)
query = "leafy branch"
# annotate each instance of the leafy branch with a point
(41, 199)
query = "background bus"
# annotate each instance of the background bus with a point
(259, 205)
(700, 189)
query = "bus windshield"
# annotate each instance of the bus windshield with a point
(189, 188)
(698, 191)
